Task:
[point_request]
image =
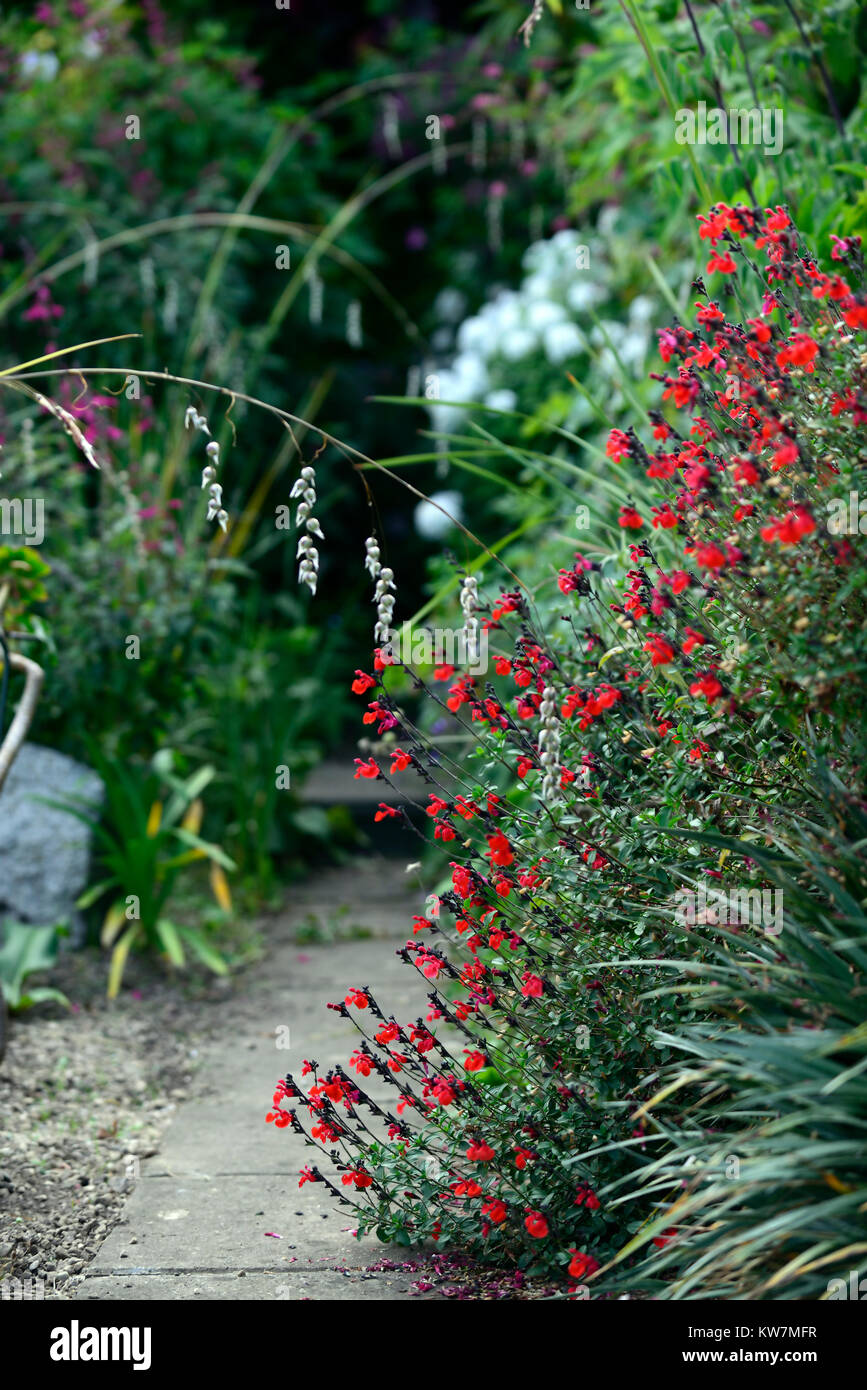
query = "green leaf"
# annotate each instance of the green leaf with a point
(171, 942)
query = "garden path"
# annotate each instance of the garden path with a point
(217, 1213)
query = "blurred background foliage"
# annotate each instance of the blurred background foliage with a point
(308, 129)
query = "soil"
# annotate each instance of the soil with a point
(85, 1095)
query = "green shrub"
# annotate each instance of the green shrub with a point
(656, 734)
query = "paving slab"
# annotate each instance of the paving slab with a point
(200, 1214)
(272, 1287)
(231, 1223)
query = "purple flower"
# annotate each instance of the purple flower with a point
(416, 238)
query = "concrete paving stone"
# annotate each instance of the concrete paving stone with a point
(223, 1178)
(184, 1222)
(294, 1285)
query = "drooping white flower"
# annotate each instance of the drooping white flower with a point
(469, 600)
(385, 601)
(371, 562)
(549, 744)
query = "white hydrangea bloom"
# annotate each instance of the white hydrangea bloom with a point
(450, 305)
(504, 399)
(562, 340)
(547, 318)
(519, 344)
(543, 313)
(430, 521)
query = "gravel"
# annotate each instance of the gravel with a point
(84, 1098)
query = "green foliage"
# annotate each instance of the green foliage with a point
(28, 950)
(759, 1121)
(146, 837)
(591, 1058)
(22, 583)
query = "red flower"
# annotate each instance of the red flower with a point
(710, 557)
(664, 517)
(533, 987)
(385, 811)
(795, 524)
(459, 694)
(500, 849)
(761, 329)
(475, 1061)
(536, 1225)
(400, 761)
(661, 652)
(706, 685)
(713, 224)
(582, 1264)
(679, 581)
(480, 1153)
(798, 352)
(358, 1177)
(629, 519)
(693, 639)
(356, 997)
(466, 1189)
(618, 445)
(495, 1210)
(369, 769)
(665, 1237)
(461, 880)
(361, 683)
(587, 1197)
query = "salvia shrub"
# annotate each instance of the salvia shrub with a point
(652, 842)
